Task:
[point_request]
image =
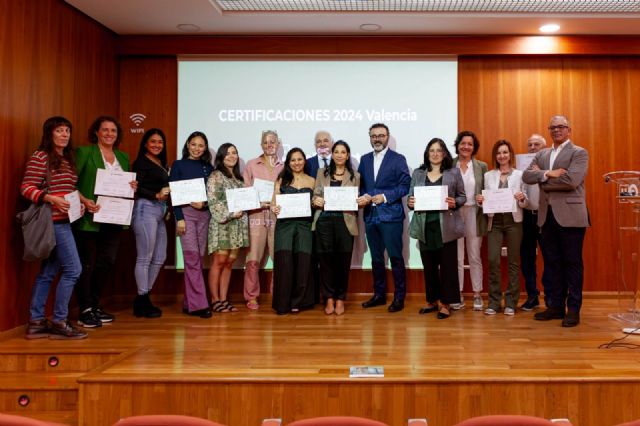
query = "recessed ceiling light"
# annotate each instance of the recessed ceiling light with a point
(370, 27)
(188, 28)
(549, 28)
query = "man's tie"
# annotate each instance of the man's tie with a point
(326, 162)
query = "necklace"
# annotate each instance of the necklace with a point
(338, 174)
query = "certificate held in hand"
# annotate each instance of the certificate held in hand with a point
(294, 205)
(114, 183)
(113, 210)
(264, 188)
(340, 198)
(242, 199)
(187, 191)
(498, 201)
(430, 198)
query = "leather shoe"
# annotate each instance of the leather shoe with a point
(549, 314)
(396, 306)
(571, 320)
(374, 301)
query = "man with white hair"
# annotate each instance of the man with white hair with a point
(531, 236)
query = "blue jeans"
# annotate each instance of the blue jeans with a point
(64, 256)
(151, 242)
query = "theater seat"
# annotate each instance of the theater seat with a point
(512, 420)
(10, 420)
(164, 420)
(631, 423)
(337, 421)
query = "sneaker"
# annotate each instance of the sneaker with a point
(530, 304)
(102, 315)
(477, 302)
(88, 319)
(64, 330)
(458, 306)
(490, 311)
(509, 311)
(38, 329)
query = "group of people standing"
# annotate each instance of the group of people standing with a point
(549, 196)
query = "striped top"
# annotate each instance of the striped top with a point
(62, 181)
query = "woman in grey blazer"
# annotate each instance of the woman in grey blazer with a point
(437, 231)
(334, 230)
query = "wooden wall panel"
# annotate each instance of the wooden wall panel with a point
(55, 61)
(513, 97)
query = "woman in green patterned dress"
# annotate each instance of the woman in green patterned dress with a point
(228, 231)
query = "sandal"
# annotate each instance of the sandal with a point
(228, 307)
(444, 312)
(217, 306)
(253, 305)
(427, 309)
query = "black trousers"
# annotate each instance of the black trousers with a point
(334, 245)
(441, 273)
(97, 252)
(562, 253)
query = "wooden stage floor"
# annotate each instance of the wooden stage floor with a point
(242, 367)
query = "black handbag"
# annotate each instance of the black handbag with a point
(37, 229)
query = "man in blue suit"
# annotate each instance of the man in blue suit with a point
(324, 142)
(384, 180)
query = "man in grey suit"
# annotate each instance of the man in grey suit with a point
(563, 217)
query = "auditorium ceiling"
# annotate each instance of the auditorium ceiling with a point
(362, 17)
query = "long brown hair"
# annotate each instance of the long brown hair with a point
(47, 145)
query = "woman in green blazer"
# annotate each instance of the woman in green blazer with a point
(97, 242)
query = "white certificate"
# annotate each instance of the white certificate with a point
(114, 210)
(431, 197)
(264, 188)
(523, 161)
(114, 183)
(187, 191)
(242, 199)
(498, 200)
(75, 210)
(294, 205)
(340, 198)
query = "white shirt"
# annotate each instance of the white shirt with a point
(555, 151)
(115, 166)
(469, 180)
(377, 161)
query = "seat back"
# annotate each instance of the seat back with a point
(337, 421)
(164, 420)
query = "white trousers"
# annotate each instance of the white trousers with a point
(473, 245)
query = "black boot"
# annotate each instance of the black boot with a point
(140, 308)
(152, 311)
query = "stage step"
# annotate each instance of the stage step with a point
(43, 384)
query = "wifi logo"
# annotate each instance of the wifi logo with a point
(137, 118)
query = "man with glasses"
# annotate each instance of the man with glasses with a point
(531, 236)
(324, 142)
(563, 217)
(384, 180)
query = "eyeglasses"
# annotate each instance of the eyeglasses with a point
(377, 136)
(562, 127)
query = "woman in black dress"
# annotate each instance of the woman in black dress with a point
(292, 289)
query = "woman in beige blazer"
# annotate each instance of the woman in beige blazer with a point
(334, 230)
(505, 227)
